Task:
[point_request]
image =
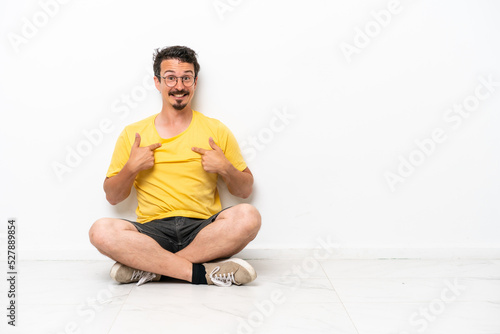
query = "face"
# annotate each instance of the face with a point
(178, 96)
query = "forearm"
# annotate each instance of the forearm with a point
(118, 187)
(239, 183)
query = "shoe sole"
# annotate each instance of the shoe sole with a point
(245, 265)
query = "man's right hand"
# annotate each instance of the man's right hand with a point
(141, 158)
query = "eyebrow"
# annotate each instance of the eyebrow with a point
(188, 71)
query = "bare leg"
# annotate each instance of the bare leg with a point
(233, 229)
(120, 241)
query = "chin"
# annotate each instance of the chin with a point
(179, 106)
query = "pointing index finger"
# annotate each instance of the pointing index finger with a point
(198, 150)
(154, 146)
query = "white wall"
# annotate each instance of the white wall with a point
(351, 107)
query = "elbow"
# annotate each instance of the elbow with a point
(112, 197)
(241, 193)
(112, 201)
(248, 189)
(245, 194)
(109, 198)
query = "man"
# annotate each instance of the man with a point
(174, 159)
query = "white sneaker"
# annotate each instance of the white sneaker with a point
(124, 274)
(228, 272)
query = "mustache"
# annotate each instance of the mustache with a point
(179, 92)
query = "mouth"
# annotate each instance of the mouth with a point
(179, 95)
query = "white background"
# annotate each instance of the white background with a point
(319, 172)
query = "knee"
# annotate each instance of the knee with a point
(249, 219)
(99, 232)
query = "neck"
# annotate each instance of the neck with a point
(171, 116)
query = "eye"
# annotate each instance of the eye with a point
(171, 78)
(187, 79)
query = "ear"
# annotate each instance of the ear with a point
(195, 83)
(157, 83)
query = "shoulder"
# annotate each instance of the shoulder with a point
(144, 127)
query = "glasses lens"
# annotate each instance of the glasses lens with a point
(188, 81)
(170, 81)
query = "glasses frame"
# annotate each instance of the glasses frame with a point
(177, 80)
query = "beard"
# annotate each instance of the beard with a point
(179, 106)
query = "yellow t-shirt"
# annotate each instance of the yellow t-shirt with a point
(177, 185)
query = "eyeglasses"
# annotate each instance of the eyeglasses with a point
(171, 80)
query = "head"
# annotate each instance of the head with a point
(173, 68)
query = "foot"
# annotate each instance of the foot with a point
(228, 272)
(123, 274)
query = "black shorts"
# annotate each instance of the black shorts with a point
(174, 233)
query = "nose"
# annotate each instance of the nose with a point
(179, 85)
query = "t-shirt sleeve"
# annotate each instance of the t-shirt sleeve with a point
(230, 147)
(120, 154)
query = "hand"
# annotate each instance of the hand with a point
(214, 160)
(141, 158)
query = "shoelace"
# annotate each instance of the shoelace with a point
(222, 279)
(142, 276)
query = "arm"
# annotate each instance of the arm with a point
(118, 187)
(214, 161)
(239, 183)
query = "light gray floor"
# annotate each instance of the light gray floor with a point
(289, 296)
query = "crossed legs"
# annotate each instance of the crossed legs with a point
(119, 240)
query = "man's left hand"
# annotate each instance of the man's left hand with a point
(214, 160)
